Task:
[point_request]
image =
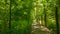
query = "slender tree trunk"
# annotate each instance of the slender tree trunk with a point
(10, 19)
(10, 16)
(57, 23)
(45, 16)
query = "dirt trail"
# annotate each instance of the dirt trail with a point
(39, 29)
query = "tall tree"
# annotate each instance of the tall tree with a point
(44, 8)
(57, 23)
(10, 16)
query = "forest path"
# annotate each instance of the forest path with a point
(39, 29)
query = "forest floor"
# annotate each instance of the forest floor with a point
(39, 29)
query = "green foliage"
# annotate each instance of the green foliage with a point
(24, 12)
(21, 17)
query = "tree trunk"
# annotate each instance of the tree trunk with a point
(57, 23)
(45, 16)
